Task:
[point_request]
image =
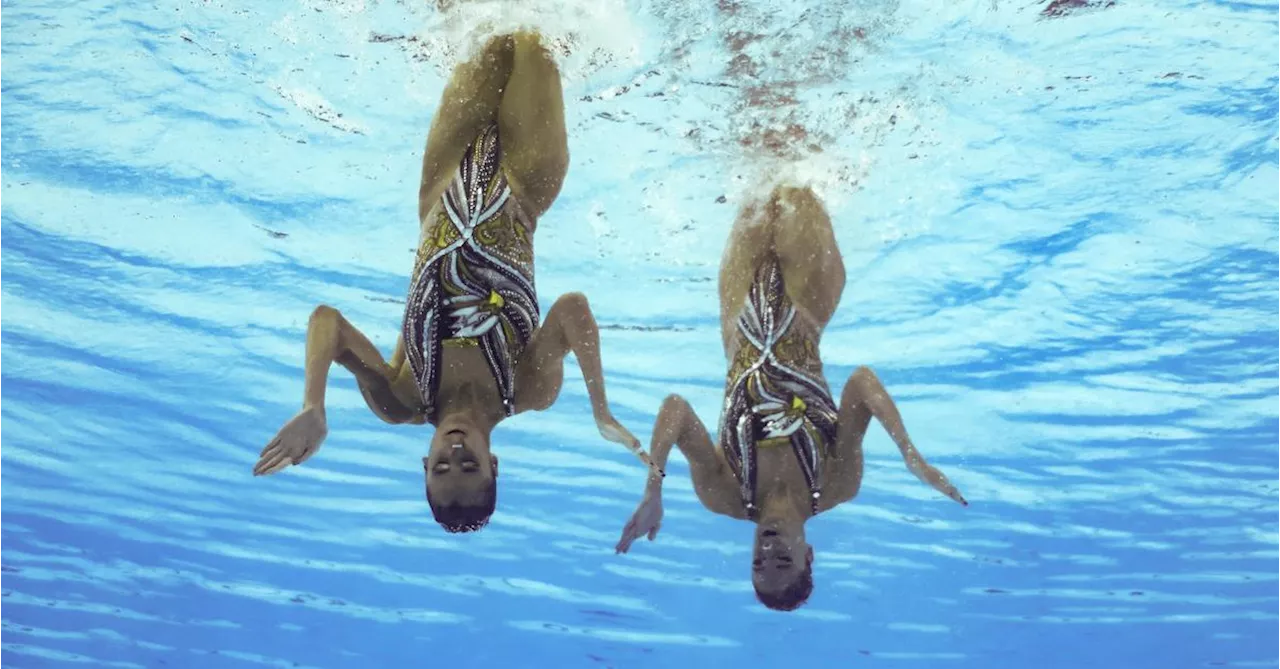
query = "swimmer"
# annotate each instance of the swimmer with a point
(471, 351)
(786, 452)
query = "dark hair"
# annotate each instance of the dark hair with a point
(455, 518)
(793, 596)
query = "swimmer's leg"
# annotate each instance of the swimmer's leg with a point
(749, 241)
(864, 397)
(812, 268)
(570, 327)
(535, 146)
(469, 104)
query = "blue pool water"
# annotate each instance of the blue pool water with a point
(1061, 238)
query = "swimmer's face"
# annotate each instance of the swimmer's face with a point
(461, 477)
(782, 565)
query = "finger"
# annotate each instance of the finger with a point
(624, 544)
(272, 444)
(281, 466)
(273, 464)
(261, 465)
(260, 470)
(273, 449)
(654, 532)
(271, 452)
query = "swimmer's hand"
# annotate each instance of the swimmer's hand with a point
(612, 430)
(298, 440)
(646, 520)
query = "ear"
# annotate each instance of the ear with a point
(493, 465)
(809, 556)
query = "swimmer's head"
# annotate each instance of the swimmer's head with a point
(462, 476)
(782, 565)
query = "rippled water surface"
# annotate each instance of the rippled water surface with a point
(1061, 237)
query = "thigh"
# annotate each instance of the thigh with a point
(535, 147)
(468, 105)
(747, 246)
(812, 267)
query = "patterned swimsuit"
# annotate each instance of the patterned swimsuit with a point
(473, 279)
(776, 393)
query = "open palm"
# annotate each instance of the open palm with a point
(646, 520)
(298, 440)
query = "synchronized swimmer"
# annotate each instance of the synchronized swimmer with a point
(474, 349)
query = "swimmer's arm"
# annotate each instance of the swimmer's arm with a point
(569, 326)
(864, 398)
(403, 386)
(677, 425)
(397, 356)
(332, 338)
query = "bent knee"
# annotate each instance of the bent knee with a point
(865, 381)
(497, 49)
(792, 199)
(574, 301)
(673, 403)
(864, 373)
(325, 313)
(529, 40)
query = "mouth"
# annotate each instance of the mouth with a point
(455, 433)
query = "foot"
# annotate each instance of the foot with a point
(612, 430)
(937, 480)
(298, 440)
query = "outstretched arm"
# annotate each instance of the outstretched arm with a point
(569, 326)
(717, 489)
(864, 397)
(331, 338)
